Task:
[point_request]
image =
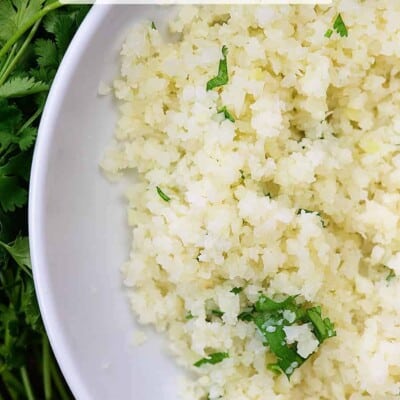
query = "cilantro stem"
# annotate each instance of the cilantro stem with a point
(21, 51)
(46, 368)
(27, 384)
(8, 59)
(28, 24)
(12, 384)
(31, 120)
(57, 380)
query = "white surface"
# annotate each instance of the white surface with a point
(78, 233)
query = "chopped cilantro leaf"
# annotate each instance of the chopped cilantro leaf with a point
(213, 358)
(237, 290)
(271, 317)
(189, 315)
(153, 25)
(162, 194)
(226, 113)
(274, 368)
(246, 315)
(390, 275)
(217, 313)
(338, 26)
(19, 251)
(264, 303)
(222, 77)
(323, 328)
(22, 86)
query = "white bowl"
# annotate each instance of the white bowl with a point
(78, 232)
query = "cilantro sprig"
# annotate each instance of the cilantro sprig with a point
(34, 35)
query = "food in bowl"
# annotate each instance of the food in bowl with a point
(265, 214)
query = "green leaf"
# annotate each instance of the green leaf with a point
(217, 313)
(275, 368)
(14, 14)
(226, 113)
(272, 330)
(236, 290)
(153, 25)
(340, 27)
(12, 195)
(22, 86)
(222, 78)
(19, 165)
(323, 328)
(247, 314)
(213, 358)
(328, 33)
(10, 117)
(390, 276)
(189, 315)
(270, 318)
(30, 308)
(19, 251)
(264, 303)
(27, 138)
(64, 30)
(163, 195)
(47, 53)
(63, 26)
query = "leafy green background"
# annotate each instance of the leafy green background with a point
(34, 35)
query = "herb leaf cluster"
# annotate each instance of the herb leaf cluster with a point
(34, 35)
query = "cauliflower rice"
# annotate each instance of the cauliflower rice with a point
(316, 128)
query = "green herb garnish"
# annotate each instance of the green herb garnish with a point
(339, 26)
(153, 25)
(246, 315)
(222, 77)
(274, 368)
(217, 313)
(213, 358)
(271, 317)
(391, 275)
(237, 290)
(162, 194)
(226, 113)
(189, 315)
(323, 328)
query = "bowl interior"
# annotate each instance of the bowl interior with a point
(79, 238)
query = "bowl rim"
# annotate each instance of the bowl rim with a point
(46, 132)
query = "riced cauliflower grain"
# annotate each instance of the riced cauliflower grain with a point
(298, 196)
(306, 341)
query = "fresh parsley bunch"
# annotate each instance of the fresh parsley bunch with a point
(34, 35)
